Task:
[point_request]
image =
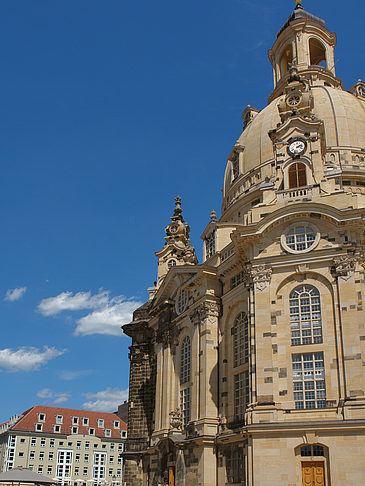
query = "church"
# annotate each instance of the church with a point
(249, 368)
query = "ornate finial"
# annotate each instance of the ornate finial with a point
(177, 209)
(213, 217)
(298, 4)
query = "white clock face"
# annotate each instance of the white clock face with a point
(297, 147)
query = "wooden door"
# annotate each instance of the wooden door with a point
(171, 476)
(313, 474)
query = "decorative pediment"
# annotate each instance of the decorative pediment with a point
(177, 278)
(309, 129)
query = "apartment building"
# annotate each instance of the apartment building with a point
(75, 447)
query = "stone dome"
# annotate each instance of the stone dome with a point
(343, 115)
(302, 59)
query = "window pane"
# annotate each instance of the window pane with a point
(313, 382)
(305, 316)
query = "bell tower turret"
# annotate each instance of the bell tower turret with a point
(303, 42)
(177, 249)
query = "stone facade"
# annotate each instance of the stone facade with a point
(257, 355)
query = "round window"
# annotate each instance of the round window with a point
(182, 300)
(293, 99)
(300, 238)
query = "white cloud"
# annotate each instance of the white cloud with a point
(107, 320)
(45, 393)
(51, 397)
(107, 316)
(15, 294)
(67, 301)
(106, 400)
(69, 375)
(27, 358)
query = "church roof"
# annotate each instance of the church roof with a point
(300, 13)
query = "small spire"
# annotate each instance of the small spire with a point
(213, 217)
(298, 4)
(177, 210)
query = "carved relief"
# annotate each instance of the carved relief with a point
(176, 419)
(204, 311)
(344, 266)
(261, 277)
(302, 268)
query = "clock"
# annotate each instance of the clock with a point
(297, 147)
(173, 228)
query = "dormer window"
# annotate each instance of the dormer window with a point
(74, 430)
(85, 421)
(91, 431)
(108, 433)
(39, 427)
(100, 422)
(56, 429)
(171, 263)
(41, 417)
(59, 419)
(116, 424)
(75, 420)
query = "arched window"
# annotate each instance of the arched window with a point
(171, 263)
(240, 340)
(317, 52)
(185, 364)
(286, 59)
(305, 316)
(297, 175)
(185, 374)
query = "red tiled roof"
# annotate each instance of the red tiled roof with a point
(30, 418)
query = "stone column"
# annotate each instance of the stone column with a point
(261, 277)
(205, 317)
(351, 318)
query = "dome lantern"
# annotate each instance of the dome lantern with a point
(304, 42)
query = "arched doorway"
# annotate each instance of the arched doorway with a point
(314, 467)
(167, 462)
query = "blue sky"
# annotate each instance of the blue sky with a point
(108, 111)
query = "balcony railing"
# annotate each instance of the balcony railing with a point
(304, 193)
